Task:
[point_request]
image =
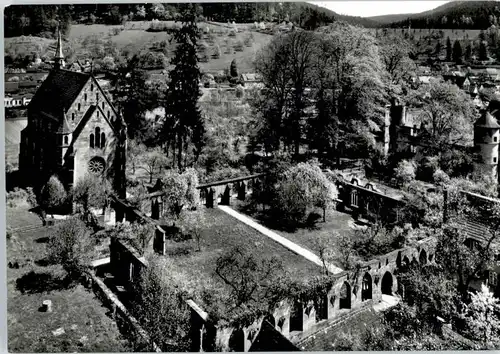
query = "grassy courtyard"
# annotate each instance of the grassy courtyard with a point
(222, 233)
(336, 223)
(87, 328)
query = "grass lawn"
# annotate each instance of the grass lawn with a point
(222, 233)
(335, 222)
(135, 38)
(76, 309)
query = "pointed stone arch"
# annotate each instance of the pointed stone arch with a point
(422, 257)
(226, 195)
(209, 202)
(297, 317)
(366, 287)
(387, 283)
(237, 341)
(345, 296)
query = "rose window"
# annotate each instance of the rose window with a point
(97, 165)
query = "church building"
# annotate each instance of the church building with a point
(73, 129)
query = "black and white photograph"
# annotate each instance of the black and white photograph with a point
(252, 176)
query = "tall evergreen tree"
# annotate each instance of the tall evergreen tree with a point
(468, 52)
(483, 51)
(183, 91)
(438, 48)
(457, 52)
(448, 49)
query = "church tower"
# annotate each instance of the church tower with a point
(486, 140)
(59, 58)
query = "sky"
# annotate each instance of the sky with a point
(376, 8)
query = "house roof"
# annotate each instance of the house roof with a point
(270, 340)
(58, 92)
(487, 121)
(11, 86)
(251, 77)
(491, 71)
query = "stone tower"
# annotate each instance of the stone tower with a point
(486, 140)
(396, 114)
(59, 57)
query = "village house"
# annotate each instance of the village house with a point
(17, 101)
(251, 80)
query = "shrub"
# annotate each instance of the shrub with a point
(404, 173)
(53, 195)
(249, 40)
(238, 46)
(441, 178)
(71, 246)
(16, 197)
(427, 167)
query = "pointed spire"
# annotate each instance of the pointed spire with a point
(59, 57)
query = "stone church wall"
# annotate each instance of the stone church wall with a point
(82, 147)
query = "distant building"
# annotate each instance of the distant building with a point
(16, 101)
(252, 80)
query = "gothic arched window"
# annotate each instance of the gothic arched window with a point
(103, 140)
(103, 103)
(72, 116)
(97, 137)
(108, 114)
(85, 97)
(92, 140)
(79, 106)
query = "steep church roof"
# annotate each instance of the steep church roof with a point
(58, 92)
(487, 121)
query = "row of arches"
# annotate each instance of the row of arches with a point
(238, 338)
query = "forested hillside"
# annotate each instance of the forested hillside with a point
(455, 14)
(42, 20)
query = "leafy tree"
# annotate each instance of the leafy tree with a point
(135, 153)
(395, 55)
(324, 247)
(465, 262)
(301, 187)
(53, 194)
(441, 178)
(193, 223)
(71, 246)
(91, 192)
(447, 114)
(180, 191)
(405, 172)
(286, 66)
(482, 317)
(160, 307)
(152, 161)
(138, 234)
(457, 52)
(251, 282)
(183, 93)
